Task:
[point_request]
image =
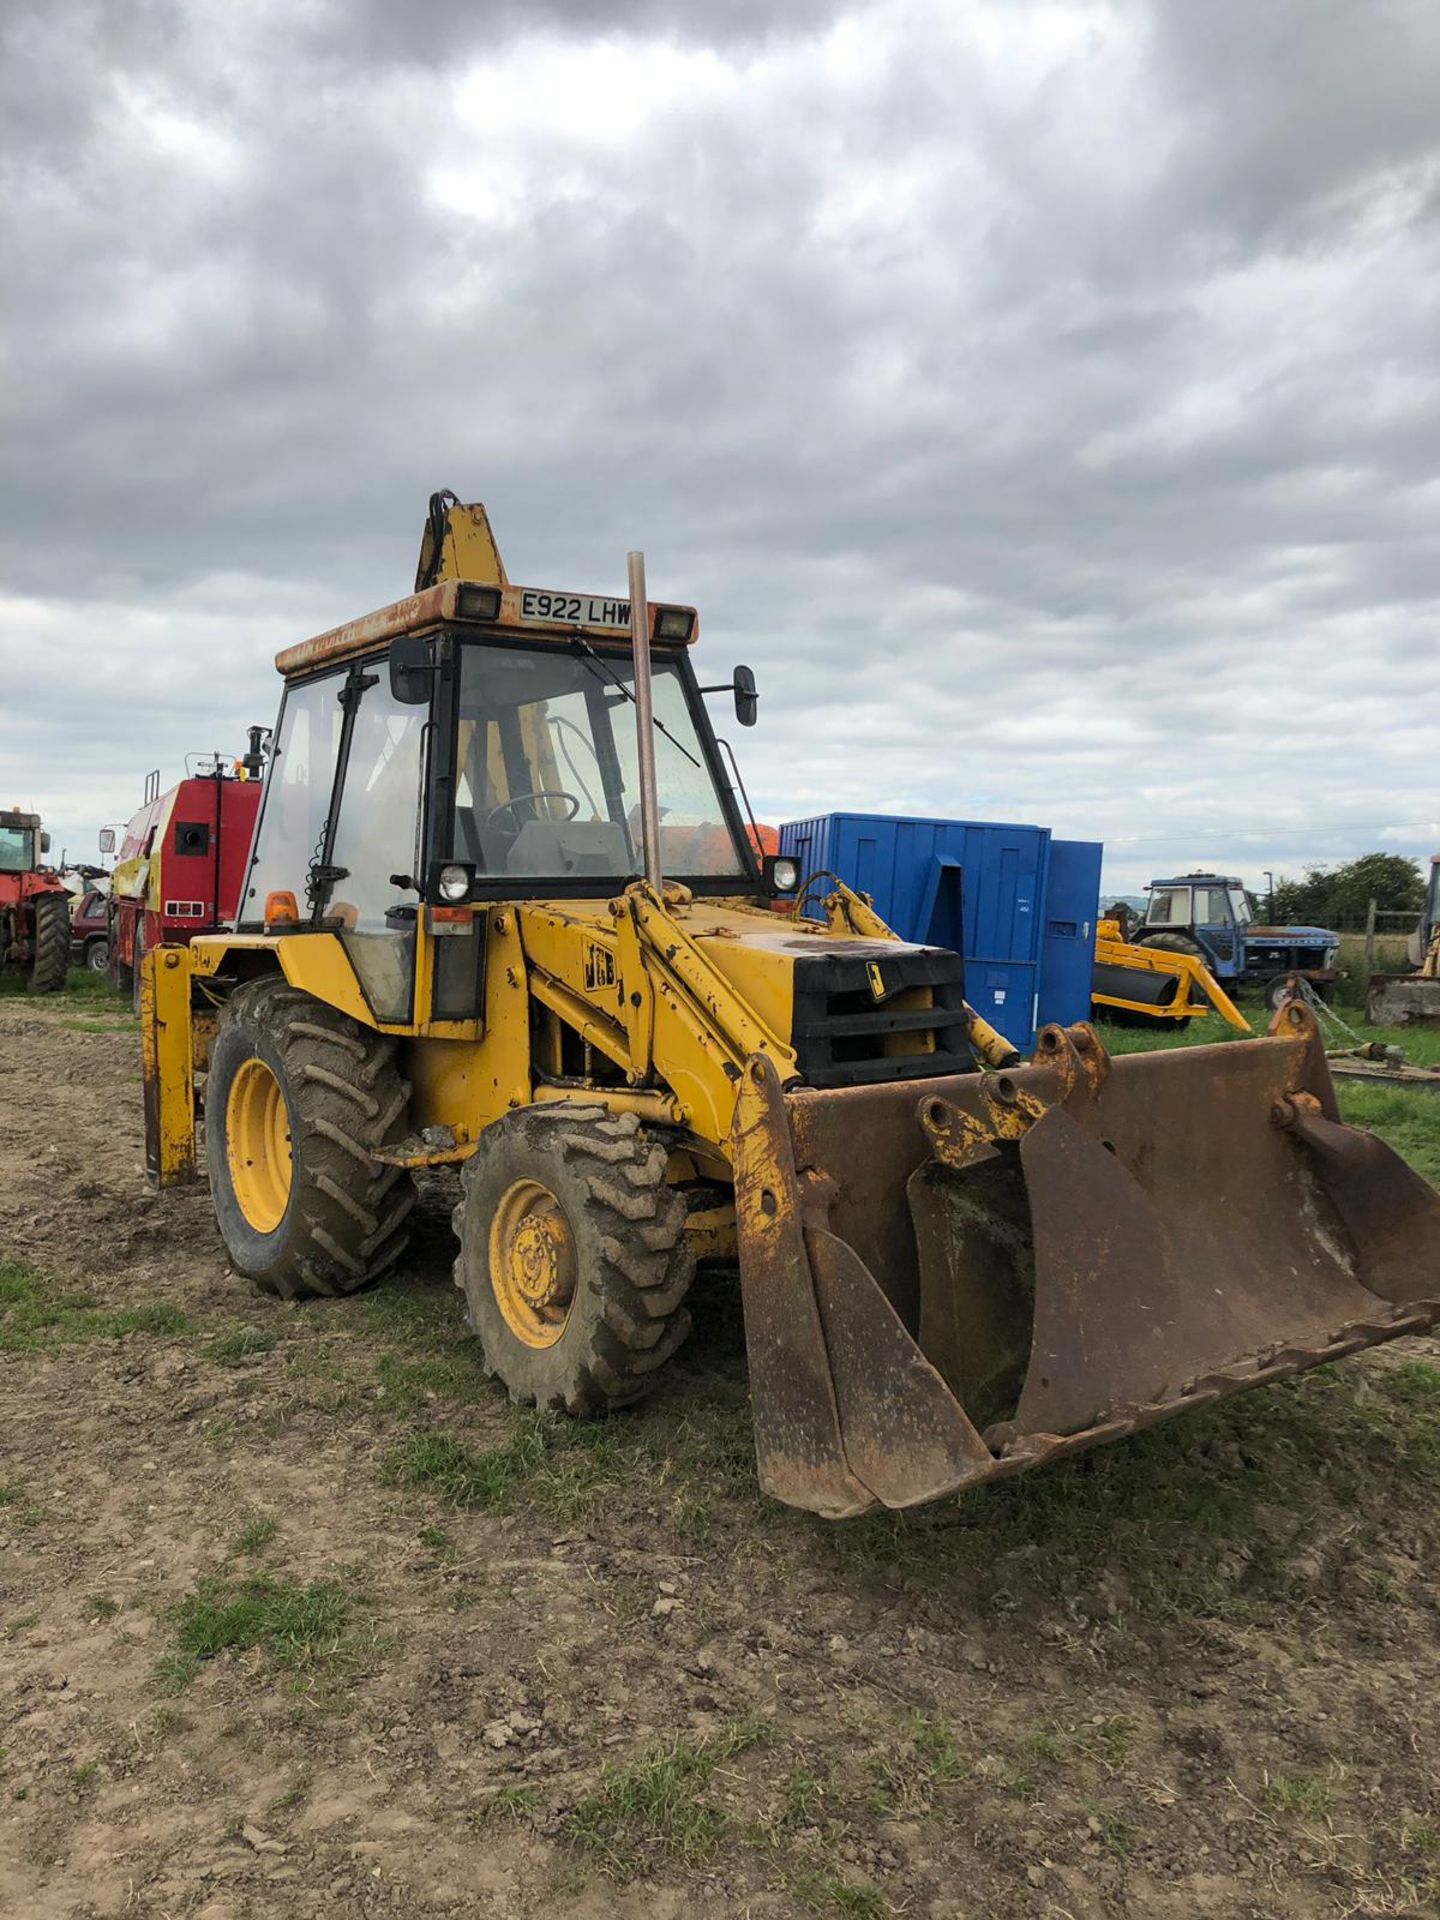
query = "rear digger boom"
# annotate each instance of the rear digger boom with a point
(457, 944)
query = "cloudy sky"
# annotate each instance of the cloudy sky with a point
(1042, 398)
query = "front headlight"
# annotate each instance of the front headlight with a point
(454, 884)
(781, 873)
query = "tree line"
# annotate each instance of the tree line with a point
(1340, 896)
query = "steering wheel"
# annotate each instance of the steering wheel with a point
(540, 793)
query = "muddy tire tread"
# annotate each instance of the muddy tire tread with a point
(51, 960)
(347, 1095)
(636, 1263)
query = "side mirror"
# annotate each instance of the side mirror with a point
(412, 671)
(747, 700)
(44, 843)
(107, 839)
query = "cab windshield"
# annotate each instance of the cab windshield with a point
(15, 849)
(547, 775)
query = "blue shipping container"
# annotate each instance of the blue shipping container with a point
(914, 869)
(1072, 906)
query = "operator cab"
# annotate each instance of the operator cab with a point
(475, 743)
(1198, 900)
(21, 842)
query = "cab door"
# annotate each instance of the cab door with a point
(1215, 923)
(377, 844)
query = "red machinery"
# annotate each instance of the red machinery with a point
(34, 906)
(181, 862)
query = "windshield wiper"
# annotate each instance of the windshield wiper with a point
(589, 654)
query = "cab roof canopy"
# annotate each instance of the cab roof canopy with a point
(531, 613)
(1199, 880)
(461, 577)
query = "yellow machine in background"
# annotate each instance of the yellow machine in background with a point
(502, 910)
(1155, 983)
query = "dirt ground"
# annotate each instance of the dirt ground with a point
(298, 1616)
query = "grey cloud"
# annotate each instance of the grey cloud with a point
(965, 380)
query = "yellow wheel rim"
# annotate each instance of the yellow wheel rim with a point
(257, 1145)
(532, 1263)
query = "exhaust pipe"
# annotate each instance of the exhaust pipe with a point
(644, 722)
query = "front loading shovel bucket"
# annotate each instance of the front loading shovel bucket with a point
(951, 1280)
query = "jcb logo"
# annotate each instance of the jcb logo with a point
(599, 967)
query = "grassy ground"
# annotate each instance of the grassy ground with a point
(302, 1616)
(1408, 1119)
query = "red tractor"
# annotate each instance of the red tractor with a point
(34, 906)
(182, 860)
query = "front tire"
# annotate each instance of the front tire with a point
(573, 1257)
(52, 942)
(297, 1095)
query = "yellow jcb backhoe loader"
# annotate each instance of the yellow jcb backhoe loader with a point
(501, 909)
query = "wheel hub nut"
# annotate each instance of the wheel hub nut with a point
(542, 1266)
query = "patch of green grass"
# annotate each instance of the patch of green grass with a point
(568, 1469)
(1406, 1118)
(38, 1311)
(293, 1795)
(256, 1534)
(805, 1795)
(467, 1476)
(85, 1774)
(22, 1623)
(81, 986)
(295, 1625)
(908, 1770)
(409, 1383)
(661, 1805)
(101, 1607)
(1309, 1796)
(507, 1803)
(835, 1893)
(240, 1345)
(20, 1509)
(1176, 1516)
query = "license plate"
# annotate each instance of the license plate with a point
(574, 609)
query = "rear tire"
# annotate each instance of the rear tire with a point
(51, 961)
(97, 955)
(1176, 943)
(297, 1093)
(573, 1257)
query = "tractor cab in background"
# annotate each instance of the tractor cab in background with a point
(34, 905)
(1210, 917)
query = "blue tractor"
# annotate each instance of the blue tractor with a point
(1210, 915)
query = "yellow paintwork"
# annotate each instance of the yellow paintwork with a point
(532, 1263)
(1194, 976)
(678, 993)
(166, 1041)
(468, 549)
(257, 1143)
